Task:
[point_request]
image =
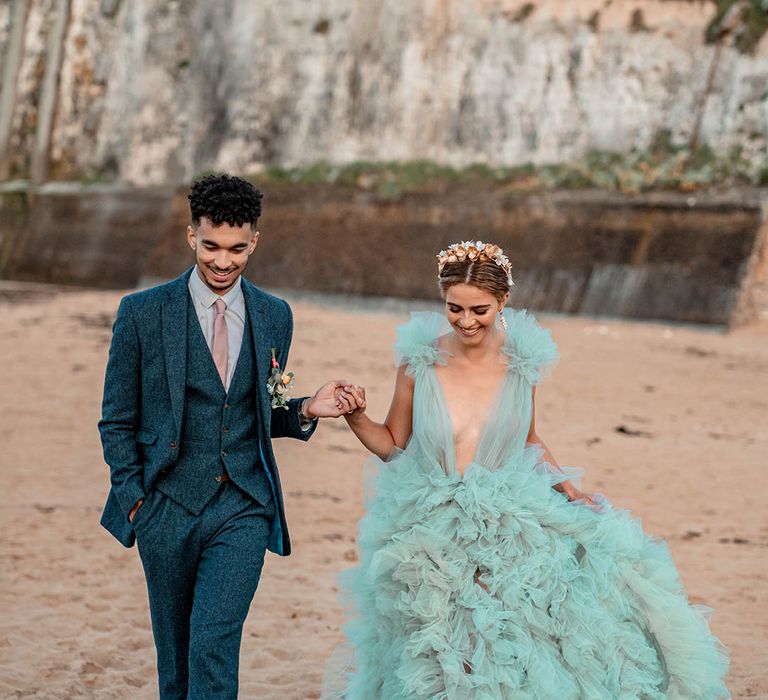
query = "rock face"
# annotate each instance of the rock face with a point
(155, 91)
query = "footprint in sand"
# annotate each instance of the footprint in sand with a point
(101, 626)
(90, 667)
(135, 682)
(137, 643)
(108, 594)
(282, 654)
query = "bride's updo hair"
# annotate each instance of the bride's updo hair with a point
(484, 274)
(482, 265)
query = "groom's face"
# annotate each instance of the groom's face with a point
(221, 252)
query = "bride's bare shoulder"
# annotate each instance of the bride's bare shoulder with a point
(443, 342)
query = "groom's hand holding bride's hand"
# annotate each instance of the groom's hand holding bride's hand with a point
(334, 399)
(351, 398)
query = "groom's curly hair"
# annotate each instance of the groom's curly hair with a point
(224, 198)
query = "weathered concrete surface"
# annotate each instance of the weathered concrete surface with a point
(69, 234)
(752, 301)
(688, 258)
(663, 256)
(155, 91)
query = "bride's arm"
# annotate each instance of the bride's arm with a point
(382, 438)
(565, 487)
(547, 456)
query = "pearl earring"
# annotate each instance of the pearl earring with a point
(502, 320)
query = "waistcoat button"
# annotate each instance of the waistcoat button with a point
(173, 444)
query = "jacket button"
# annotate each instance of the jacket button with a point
(173, 444)
(223, 453)
(217, 478)
(226, 405)
(226, 428)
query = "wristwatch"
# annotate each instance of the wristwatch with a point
(305, 423)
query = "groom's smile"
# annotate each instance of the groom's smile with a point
(221, 252)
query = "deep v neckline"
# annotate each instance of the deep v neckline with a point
(442, 398)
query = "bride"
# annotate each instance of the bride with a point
(485, 573)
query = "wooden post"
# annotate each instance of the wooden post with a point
(49, 94)
(728, 23)
(17, 17)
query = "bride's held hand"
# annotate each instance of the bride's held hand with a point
(332, 400)
(350, 398)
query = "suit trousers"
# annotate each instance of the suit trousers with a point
(202, 572)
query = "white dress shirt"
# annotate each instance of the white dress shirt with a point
(203, 299)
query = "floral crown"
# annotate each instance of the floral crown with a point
(475, 250)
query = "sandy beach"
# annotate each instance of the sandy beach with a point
(669, 421)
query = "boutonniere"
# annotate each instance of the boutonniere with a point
(279, 384)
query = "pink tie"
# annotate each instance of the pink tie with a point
(220, 349)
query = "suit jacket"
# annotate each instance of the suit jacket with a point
(144, 393)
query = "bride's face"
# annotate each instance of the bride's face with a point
(471, 311)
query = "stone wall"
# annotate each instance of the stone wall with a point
(155, 91)
(686, 258)
(90, 236)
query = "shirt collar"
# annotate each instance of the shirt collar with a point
(204, 295)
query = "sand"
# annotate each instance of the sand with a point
(670, 422)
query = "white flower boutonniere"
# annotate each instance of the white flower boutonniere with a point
(279, 384)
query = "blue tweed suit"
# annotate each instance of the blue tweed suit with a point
(169, 432)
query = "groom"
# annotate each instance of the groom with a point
(187, 427)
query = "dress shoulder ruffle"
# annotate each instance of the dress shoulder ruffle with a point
(530, 349)
(416, 343)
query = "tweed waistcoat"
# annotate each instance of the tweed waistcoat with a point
(220, 429)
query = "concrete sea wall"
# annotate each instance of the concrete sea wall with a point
(698, 258)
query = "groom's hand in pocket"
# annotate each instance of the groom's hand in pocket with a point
(134, 510)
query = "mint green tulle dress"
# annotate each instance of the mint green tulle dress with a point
(493, 585)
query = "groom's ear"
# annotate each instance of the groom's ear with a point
(191, 237)
(254, 241)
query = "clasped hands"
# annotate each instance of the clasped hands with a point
(334, 399)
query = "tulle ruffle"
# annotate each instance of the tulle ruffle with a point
(416, 340)
(492, 585)
(529, 348)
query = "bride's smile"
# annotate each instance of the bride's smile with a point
(472, 313)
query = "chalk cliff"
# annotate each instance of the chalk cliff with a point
(154, 91)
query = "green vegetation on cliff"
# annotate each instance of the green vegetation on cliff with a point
(663, 166)
(748, 27)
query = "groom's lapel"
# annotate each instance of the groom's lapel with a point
(174, 325)
(257, 317)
